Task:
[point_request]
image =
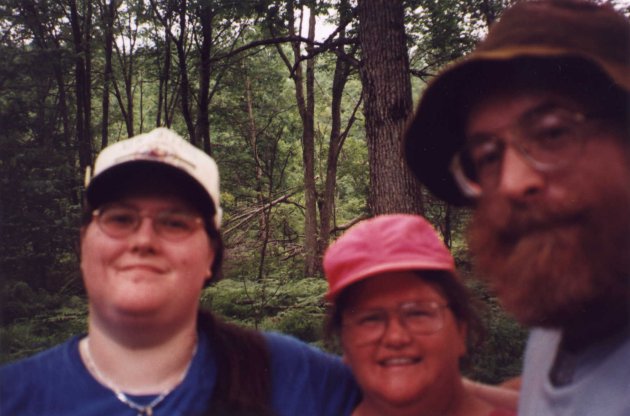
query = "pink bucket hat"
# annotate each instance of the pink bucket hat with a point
(386, 243)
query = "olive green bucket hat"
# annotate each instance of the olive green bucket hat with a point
(532, 40)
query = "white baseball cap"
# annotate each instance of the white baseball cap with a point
(159, 147)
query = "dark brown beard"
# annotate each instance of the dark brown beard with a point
(555, 266)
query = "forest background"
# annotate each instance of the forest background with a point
(301, 103)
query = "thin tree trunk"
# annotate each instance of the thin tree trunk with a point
(253, 143)
(202, 130)
(84, 141)
(337, 137)
(109, 12)
(311, 258)
(184, 87)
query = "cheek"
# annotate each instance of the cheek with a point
(355, 357)
(196, 259)
(94, 250)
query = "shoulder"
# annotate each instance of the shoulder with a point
(44, 361)
(28, 383)
(291, 351)
(306, 379)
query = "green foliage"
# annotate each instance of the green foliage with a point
(500, 355)
(293, 307)
(48, 321)
(40, 182)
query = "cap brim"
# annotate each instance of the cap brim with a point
(400, 266)
(141, 174)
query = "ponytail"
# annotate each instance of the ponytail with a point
(243, 386)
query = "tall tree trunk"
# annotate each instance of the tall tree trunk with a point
(84, 140)
(388, 105)
(184, 87)
(165, 77)
(337, 136)
(311, 258)
(87, 35)
(252, 136)
(202, 130)
(109, 12)
(306, 108)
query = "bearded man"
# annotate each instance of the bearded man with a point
(533, 130)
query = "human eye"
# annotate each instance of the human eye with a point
(177, 222)
(484, 153)
(119, 217)
(371, 318)
(419, 311)
(553, 130)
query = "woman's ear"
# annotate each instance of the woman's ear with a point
(210, 264)
(462, 330)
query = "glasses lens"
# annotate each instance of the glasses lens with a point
(366, 327)
(422, 318)
(176, 225)
(117, 221)
(550, 138)
(419, 318)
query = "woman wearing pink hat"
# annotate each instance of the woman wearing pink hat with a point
(403, 319)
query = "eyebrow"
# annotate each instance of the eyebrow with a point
(539, 109)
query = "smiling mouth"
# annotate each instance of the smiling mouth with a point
(399, 361)
(146, 267)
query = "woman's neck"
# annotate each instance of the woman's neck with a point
(138, 366)
(451, 400)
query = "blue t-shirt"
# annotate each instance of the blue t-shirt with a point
(55, 382)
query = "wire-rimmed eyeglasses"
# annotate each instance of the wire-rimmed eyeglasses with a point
(119, 221)
(368, 326)
(548, 137)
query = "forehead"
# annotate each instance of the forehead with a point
(502, 108)
(154, 201)
(390, 289)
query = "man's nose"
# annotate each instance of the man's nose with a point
(519, 180)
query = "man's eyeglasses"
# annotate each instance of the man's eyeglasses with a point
(121, 221)
(548, 138)
(368, 326)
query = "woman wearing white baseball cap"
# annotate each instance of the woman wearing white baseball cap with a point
(150, 241)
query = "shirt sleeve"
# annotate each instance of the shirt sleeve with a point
(308, 381)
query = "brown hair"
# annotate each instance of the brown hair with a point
(243, 385)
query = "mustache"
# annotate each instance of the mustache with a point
(511, 222)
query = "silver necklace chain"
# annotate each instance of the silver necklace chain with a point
(143, 410)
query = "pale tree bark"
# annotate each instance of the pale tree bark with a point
(202, 126)
(311, 258)
(337, 135)
(306, 106)
(387, 105)
(252, 137)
